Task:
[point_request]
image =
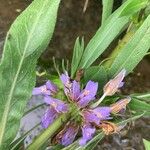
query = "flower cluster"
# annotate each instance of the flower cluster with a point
(85, 117)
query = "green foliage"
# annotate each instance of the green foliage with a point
(97, 74)
(27, 38)
(112, 27)
(107, 9)
(139, 106)
(146, 144)
(77, 54)
(132, 53)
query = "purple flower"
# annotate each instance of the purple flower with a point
(66, 82)
(87, 134)
(49, 116)
(75, 91)
(72, 90)
(48, 89)
(90, 117)
(88, 94)
(68, 134)
(112, 86)
(58, 105)
(96, 115)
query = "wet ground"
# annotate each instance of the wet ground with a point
(72, 22)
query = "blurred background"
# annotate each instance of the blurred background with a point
(71, 23)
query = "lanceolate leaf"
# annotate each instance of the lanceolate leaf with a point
(134, 50)
(107, 9)
(77, 54)
(138, 106)
(108, 32)
(27, 38)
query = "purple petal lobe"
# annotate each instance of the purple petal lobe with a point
(90, 117)
(58, 105)
(103, 113)
(75, 90)
(87, 134)
(52, 87)
(96, 115)
(65, 78)
(49, 116)
(69, 135)
(42, 90)
(88, 94)
(66, 82)
(112, 86)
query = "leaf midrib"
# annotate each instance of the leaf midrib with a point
(7, 105)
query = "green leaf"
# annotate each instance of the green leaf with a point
(134, 117)
(26, 40)
(134, 6)
(132, 53)
(97, 74)
(146, 144)
(77, 54)
(107, 9)
(138, 105)
(112, 27)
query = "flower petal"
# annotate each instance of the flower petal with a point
(65, 78)
(69, 134)
(103, 113)
(87, 134)
(112, 86)
(88, 94)
(66, 82)
(50, 86)
(58, 105)
(96, 115)
(75, 90)
(90, 117)
(49, 116)
(42, 90)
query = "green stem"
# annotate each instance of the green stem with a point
(99, 101)
(49, 132)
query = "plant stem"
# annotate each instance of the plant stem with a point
(49, 132)
(99, 101)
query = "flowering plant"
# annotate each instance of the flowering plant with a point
(82, 102)
(84, 117)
